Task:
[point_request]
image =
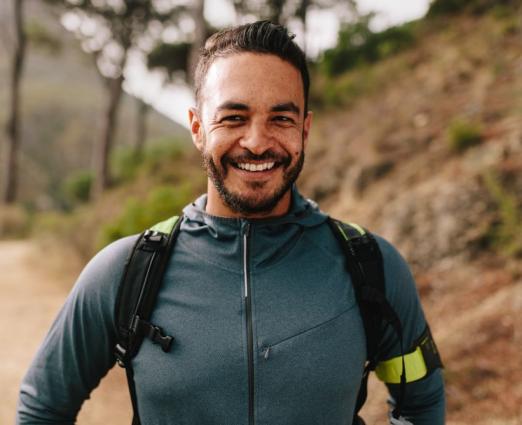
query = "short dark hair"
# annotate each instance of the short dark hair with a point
(258, 37)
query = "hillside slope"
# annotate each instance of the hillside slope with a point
(386, 162)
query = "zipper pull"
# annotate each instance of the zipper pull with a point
(266, 352)
(246, 229)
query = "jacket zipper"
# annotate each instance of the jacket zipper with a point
(250, 337)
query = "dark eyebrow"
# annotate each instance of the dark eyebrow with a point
(235, 106)
(286, 107)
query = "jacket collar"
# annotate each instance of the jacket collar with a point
(303, 212)
(219, 240)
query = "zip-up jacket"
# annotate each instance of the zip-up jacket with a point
(267, 330)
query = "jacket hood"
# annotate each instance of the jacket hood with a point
(219, 240)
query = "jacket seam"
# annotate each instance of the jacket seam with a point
(326, 322)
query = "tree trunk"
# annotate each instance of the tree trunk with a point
(10, 180)
(103, 148)
(199, 38)
(275, 11)
(240, 10)
(302, 14)
(141, 127)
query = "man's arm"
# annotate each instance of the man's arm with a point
(78, 349)
(424, 402)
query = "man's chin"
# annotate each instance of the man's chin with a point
(254, 204)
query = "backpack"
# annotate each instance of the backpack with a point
(143, 275)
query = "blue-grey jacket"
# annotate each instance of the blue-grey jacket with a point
(293, 354)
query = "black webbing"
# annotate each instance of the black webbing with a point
(364, 263)
(153, 286)
(132, 391)
(137, 295)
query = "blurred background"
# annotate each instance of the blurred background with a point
(417, 135)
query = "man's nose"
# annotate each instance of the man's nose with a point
(257, 139)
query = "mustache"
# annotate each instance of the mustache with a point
(265, 156)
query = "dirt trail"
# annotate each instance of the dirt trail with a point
(31, 297)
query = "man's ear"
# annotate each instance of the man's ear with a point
(306, 126)
(196, 128)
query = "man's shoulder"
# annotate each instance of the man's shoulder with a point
(115, 254)
(397, 274)
(104, 271)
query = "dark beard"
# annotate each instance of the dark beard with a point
(250, 206)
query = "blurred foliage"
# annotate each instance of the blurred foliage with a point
(15, 222)
(506, 233)
(170, 57)
(41, 38)
(358, 45)
(77, 187)
(344, 90)
(463, 134)
(128, 208)
(126, 163)
(71, 230)
(162, 203)
(448, 7)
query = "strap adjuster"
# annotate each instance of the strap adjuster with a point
(153, 332)
(156, 335)
(153, 240)
(120, 354)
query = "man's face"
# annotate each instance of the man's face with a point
(251, 129)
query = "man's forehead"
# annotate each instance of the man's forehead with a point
(252, 78)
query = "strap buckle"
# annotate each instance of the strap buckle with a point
(153, 332)
(156, 335)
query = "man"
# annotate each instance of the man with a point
(267, 328)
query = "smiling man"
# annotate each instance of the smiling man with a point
(265, 311)
(251, 126)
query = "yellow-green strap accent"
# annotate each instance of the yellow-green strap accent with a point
(358, 228)
(389, 371)
(166, 226)
(355, 226)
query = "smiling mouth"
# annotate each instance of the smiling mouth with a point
(248, 166)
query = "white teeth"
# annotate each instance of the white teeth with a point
(256, 167)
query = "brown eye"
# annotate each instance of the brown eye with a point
(233, 119)
(284, 119)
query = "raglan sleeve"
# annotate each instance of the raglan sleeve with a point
(424, 400)
(78, 349)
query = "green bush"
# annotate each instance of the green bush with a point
(126, 163)
(506, 233)
(464, 134)
(138, 215)
(166, 149)
(358, 45)
(78, 187)
(449, 7)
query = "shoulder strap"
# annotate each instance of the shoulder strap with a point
(139, 286)
(364, 263)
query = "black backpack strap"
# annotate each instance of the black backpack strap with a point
(364, 263)
(139, 287)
